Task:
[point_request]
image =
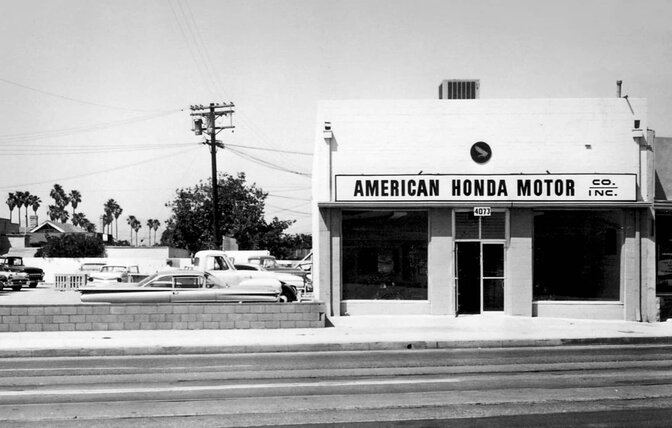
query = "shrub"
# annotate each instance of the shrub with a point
(72, 245)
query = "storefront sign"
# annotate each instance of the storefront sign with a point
(503, 188)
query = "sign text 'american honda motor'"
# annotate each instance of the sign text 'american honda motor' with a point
(519, 187)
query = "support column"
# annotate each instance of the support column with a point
(441, 263)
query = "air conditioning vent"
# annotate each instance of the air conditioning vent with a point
(459, 89)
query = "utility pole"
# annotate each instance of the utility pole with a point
(210, 114)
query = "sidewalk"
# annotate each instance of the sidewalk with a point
(347, 334)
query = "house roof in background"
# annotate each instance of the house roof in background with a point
(59, 227)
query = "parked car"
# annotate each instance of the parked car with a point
(217, 263)
(88, 267)
(13, 280)
(15, 264)
(301, 286)
(111, 274)
(270, 263)
(177, 286)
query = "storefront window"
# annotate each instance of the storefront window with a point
(577, 255)
(384, 255)
(664, 254)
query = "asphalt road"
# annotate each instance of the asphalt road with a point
(556, 386)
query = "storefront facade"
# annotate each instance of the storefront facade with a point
(517, 207)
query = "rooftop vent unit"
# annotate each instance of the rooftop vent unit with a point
(459, 89)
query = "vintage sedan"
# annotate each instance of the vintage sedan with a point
(183, 286)
(112, 274)
(13, 280)
(299, 284)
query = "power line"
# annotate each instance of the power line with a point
(65, 97)
(289, 197)
(269, 150)
(84, 150)
(199, 53)
(267, 164)
(80, 129)
(117, 168)
(279, 209)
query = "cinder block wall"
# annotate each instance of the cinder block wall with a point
(194, 316)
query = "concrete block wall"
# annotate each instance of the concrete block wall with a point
(194, 316)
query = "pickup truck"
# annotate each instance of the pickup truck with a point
(15, 264)
(218, 264)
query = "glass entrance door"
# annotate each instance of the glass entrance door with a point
(480, 277)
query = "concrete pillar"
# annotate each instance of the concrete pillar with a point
(441, 263)
(518, 287)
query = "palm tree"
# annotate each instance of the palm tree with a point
(131, 222)
(53, 212)
(59, 195)
(78, 219)
(116, 213)
(63, 214)
(35, 202)
(150, 224)
(86, 224)
(109, 208)
(75, 198)
(11, 203)
(155, 226)
(137, 225)
(27, 201)
(20, 200)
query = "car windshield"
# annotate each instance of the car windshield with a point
(148, 279)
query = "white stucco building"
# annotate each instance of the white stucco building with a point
(530, 207)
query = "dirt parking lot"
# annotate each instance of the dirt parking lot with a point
(43, 294)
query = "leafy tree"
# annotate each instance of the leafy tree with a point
(11, 203)
(72, 245)
(241, 208)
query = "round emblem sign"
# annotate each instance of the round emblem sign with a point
(481, 152)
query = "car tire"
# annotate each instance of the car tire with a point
(16, 288)
(32, 285)
(287, 294)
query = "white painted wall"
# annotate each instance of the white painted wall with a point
(435, 136)
(530, 136)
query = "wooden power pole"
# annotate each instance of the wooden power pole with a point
(208, 115)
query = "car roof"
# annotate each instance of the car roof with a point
(182, 272)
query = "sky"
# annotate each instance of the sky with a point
(95, 95)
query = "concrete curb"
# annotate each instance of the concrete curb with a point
(94, 351)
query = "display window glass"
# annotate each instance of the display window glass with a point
(577, 255)
(664, 254)
(384, 255)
